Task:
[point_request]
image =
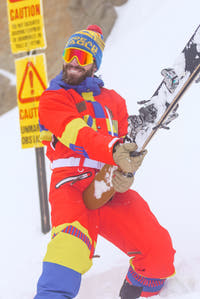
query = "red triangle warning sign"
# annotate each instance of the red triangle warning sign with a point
(32, 85)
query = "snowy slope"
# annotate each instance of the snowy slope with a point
(147, 37)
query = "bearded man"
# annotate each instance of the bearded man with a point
(83, 125)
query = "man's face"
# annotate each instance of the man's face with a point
(74, 74)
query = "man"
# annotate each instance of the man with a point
(83, 125)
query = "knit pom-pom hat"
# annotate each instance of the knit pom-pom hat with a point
(89, 40)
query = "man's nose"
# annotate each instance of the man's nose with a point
(74, 61)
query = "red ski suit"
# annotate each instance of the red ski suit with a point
(85, 124)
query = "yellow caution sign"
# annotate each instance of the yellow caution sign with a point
(31, 82)
(26, 25)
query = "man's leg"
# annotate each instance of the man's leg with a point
(136, 285)
(128, 223)
(72, 245)
(67, 258)
(58, 282)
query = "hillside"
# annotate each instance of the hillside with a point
(147, 37)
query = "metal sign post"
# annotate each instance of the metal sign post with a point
(43, 195)
(27, 34)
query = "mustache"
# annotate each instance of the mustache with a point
(77, 67)
(71, 78)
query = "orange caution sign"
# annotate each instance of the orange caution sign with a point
(31, 82)
(26, 25)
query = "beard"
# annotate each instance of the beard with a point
(74, 79)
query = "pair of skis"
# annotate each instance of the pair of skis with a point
(155, 113)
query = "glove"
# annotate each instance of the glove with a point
(121, 156)
(136, 161)
(121, 183)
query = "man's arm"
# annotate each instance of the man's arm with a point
(58, 113)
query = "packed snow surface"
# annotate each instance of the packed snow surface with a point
(147, 37)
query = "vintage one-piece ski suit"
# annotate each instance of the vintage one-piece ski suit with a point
(84, 123)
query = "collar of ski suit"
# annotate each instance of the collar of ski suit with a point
(90, 84)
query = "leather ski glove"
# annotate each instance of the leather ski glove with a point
(137, 160)
(121, 183)
(121, 156)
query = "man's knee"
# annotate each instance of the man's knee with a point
(67, 257)
(70, 247)
(159, 256)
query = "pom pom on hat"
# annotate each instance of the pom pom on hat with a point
(95, 28)
(89, 40)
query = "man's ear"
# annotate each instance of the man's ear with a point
(95, 67)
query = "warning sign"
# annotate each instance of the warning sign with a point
(31, 85)
(26, 25)
(31, 82)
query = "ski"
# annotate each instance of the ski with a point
(155, 113)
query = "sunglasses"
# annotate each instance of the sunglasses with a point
(82, 57)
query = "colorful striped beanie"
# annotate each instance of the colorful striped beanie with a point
(89, 40)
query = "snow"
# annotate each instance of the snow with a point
(147, 37)
(8, 75)
(103, 186)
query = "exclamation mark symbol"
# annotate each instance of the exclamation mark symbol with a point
(31, 81)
